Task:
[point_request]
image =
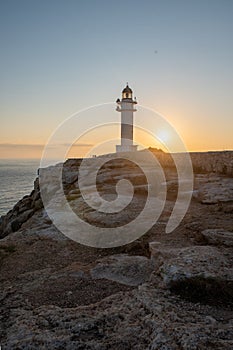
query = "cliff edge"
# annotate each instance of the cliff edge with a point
(162, 291)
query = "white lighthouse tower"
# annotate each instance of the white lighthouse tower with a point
(127, 107)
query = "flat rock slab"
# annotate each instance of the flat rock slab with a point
(217, 191)
(218, 237)
(125, 269)
(143, 318)
(179, 264)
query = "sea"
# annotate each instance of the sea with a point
(16, 180)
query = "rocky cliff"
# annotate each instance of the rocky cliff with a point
(206, 162)
(163, 291)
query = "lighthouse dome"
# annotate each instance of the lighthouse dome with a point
(127, 89)
(127, 92)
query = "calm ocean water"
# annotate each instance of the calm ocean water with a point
(16, 180)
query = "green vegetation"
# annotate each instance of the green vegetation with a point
(8, 248)
(205, 290)
(5, 250)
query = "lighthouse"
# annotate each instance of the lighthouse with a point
(126, 106)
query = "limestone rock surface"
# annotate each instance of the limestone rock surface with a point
(218, 237)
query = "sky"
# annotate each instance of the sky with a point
(59, 57)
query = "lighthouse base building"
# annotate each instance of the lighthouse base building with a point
(126, 106)
(126, 148)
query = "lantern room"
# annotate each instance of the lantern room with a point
(127, 93)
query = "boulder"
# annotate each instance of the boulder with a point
(218, 237)
(214, 192)
(179, 264)
(125, 269)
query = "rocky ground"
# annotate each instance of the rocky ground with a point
(163, 291)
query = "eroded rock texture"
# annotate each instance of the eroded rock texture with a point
(162, 291)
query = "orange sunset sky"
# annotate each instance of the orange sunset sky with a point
(60, 57)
